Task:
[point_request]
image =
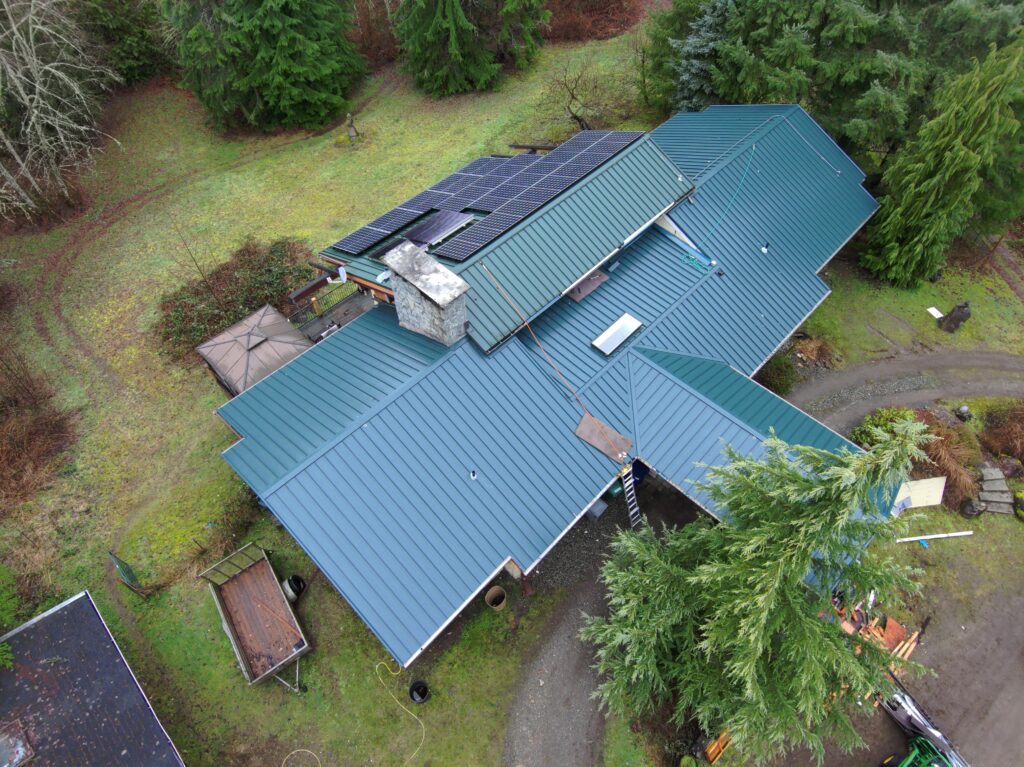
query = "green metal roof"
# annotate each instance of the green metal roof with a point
(426, 467)
(701, 142)
(290, 414)
(566, 239)
(686, 409)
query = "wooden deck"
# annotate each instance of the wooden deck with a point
(262, 620)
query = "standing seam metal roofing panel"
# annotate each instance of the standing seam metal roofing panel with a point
(568, 238)
(651, 273)
(287, 416)
(715, 405)
(389, 545)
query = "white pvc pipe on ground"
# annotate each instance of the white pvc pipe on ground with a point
(934, 537)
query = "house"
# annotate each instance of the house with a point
(71, 699)
(544, 322)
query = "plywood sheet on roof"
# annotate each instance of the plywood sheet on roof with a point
(604, 438)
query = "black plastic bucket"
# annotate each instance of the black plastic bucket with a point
(419, 692)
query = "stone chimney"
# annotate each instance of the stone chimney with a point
(430, 299)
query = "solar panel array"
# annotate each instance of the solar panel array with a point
(508, 189)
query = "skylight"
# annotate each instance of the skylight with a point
(614, 336)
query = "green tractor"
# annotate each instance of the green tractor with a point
(927, 745)
(922, 754)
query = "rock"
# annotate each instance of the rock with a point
(1000, 508)
(990, 497)
(995, 486)
(1011, 467)
(990, 472)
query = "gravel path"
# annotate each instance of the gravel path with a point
(554, 720)
(841, 399)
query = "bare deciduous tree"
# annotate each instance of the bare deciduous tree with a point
(586, 95)
(49, 83)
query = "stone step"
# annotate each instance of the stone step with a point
(990, 472)
(995, 497)
(995, 486)
(999, 508)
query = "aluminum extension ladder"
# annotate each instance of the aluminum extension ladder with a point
(629, 490)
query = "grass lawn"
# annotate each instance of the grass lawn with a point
(623, 747)
(145, 477)
(864, 319)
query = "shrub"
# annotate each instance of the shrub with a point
(1004, 432)
(32, 431)
(951, 455)
(778, 374)
(883, 419)
(573, 20)
(254, 275)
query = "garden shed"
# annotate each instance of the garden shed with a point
(252, 349)
(71, 700)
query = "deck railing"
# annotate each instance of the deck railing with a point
(318, 304)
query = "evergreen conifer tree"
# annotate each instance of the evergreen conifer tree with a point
(267, 63)
(1000, 198)
(451, 46)
(663, 32)
(694, 86)
(732, 625)
(932, 186)
(443, 49)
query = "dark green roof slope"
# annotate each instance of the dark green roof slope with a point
(735, 394)
(545, 254)
(701, 142)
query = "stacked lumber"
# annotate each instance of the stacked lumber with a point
(717, 747)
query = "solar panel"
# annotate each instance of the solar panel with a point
(437, 226)
(484, 165)
(360, 240)
(395, 219)
(454, 182)
(426, 200)
(493, 200)
(507, 188)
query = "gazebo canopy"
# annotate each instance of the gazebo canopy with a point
(252, 349)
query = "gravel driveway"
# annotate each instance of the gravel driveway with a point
(842, 398)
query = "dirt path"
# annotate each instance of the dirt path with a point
(842, 398)
(554, 720)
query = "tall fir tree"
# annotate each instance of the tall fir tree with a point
(693, 76)
(663, 32)
(442, 48)
(1000, 198)
(300, 63)
(451, 46)
(732, 625)
(513, 28)
(267, 63)
(866, 70)
(932, 187)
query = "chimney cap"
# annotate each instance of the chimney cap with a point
(412, 263)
